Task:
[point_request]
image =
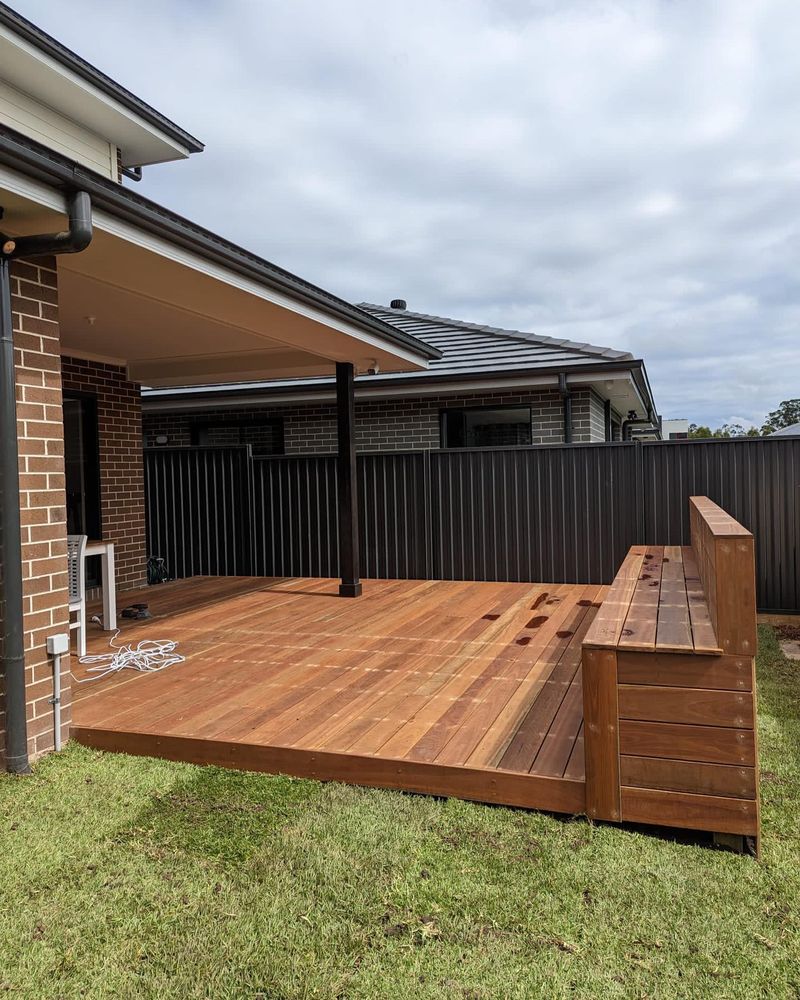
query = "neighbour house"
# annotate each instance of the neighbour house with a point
(675, 429)
(490, 388)
(790, 431)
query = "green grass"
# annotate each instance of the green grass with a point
(129, 877)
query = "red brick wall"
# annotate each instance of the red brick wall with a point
(119, 418)
(42, 501)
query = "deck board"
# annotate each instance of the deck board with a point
(469, 689)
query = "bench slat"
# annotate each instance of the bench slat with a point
(608, 623)
(641, 622)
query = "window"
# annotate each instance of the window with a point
(486, 427)
(82, 468)
(265, 436)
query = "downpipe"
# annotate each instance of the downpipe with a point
(566, 399)
(72, 240)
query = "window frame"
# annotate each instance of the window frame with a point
(488, 408)
(89, 428)
(277, 424)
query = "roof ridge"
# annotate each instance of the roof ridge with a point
(534, 338)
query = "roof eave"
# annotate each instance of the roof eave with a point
(30, 158)
(39, 39)
(300, 386)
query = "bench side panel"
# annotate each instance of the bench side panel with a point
(725, 554)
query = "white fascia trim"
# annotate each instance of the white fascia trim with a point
(412, 390)
(92, 92)
(26, 187)
(155, 244)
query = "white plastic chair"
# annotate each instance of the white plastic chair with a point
(76, 574)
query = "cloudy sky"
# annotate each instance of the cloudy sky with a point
(625, 172)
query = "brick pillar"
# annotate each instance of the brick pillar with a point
(42, 501)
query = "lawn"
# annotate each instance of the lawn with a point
(128, 877)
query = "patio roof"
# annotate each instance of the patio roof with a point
(177, 304)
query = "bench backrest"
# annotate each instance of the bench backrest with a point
(725, 555)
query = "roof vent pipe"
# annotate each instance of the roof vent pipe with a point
(72, 240)
(398, 304)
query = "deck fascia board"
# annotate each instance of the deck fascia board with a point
(509, 788)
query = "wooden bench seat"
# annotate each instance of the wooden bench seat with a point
(669, 684)
(656, 604)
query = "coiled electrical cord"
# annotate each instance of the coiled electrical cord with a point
(148, 656)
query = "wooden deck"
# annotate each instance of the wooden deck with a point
(464, 689)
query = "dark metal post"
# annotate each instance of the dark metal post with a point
(349, 568)
(13, 637)
(607, 418)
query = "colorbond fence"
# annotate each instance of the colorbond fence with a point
(550, 513)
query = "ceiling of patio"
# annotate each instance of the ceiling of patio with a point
(175, 319)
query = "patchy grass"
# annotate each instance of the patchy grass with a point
(127, 877)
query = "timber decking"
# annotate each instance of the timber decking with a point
(465, 689)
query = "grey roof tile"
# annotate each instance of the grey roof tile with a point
(466, 348)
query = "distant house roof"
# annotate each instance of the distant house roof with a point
(787, 431)
(467, 349)
(475, 347)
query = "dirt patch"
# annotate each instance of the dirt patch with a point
(789, 640)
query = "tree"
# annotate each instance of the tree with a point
(726, 431)
(788, 413)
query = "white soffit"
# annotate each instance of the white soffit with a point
(39, 75)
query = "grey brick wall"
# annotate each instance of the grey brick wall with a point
(390, 424)
(597, 418)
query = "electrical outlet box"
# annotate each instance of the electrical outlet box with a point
(57, 645)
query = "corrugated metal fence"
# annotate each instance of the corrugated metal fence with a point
(552, 513)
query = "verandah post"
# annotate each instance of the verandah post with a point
(349, 568)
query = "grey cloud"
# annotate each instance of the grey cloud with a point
(623, 172)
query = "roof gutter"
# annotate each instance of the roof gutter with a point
(410, 385)
(25, 156)
(76, 238)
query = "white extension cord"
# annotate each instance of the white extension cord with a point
(148, 656)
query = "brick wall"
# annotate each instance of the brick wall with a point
(119, 419)
(42, 501)
(388, 424)
(597, 418)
